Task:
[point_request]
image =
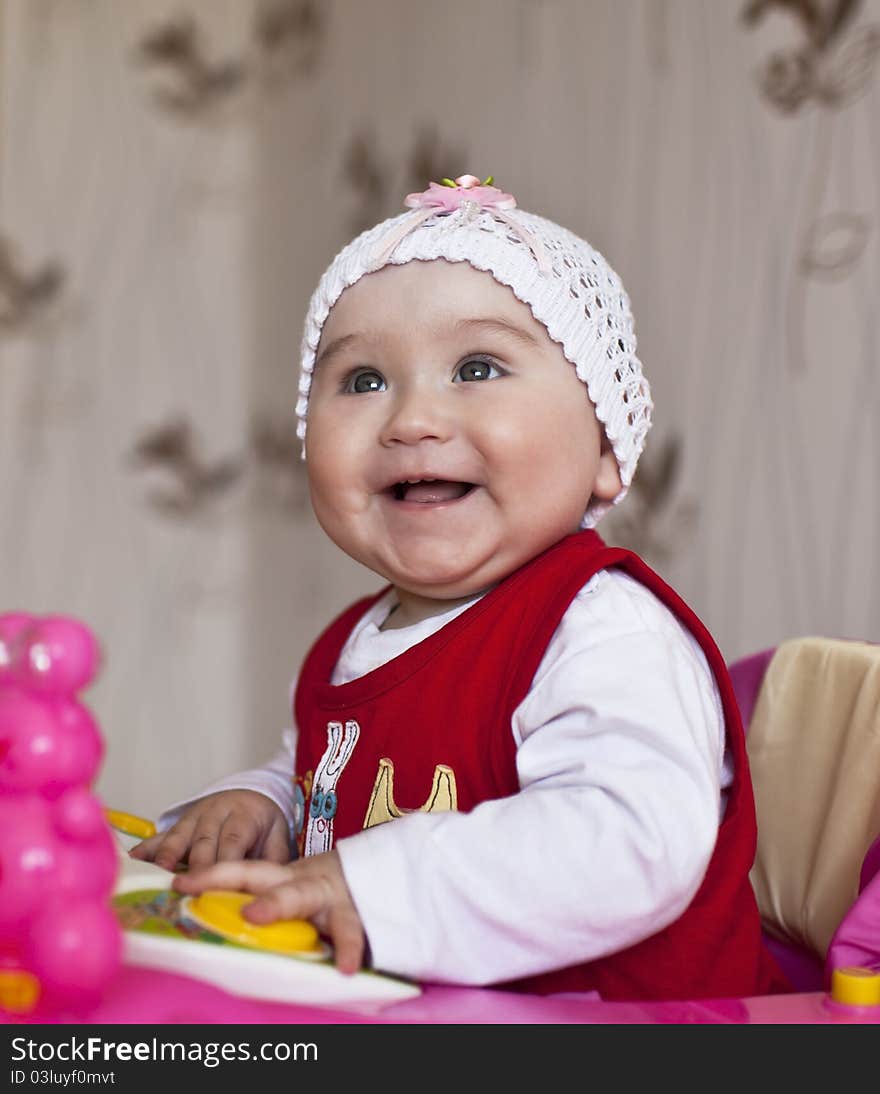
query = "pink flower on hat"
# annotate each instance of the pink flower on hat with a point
(468, 194)
(450, 195)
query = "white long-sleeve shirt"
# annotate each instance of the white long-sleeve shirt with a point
(622, 773)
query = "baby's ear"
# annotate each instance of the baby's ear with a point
(607, 483)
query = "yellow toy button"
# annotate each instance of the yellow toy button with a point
(19, 991)
(855, 987)
(131, 825)
(220, 911)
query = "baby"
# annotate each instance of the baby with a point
(548, 726)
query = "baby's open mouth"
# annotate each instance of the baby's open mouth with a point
(430, 491)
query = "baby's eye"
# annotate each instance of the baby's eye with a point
(367, 379)
(477, 368)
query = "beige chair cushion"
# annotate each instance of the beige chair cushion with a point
(814, 751)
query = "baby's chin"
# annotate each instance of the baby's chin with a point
(441, 588)
(445, 568)
(442, 570)
(438, 588)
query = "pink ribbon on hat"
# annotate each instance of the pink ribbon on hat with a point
(468, 193)
(449, 196)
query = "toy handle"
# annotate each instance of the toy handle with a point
(130, 824)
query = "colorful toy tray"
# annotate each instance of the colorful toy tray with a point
(159, 934)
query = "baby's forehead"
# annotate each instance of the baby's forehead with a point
(446, 297)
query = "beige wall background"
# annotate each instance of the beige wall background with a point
(175, 175)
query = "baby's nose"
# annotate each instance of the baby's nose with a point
(417, 415)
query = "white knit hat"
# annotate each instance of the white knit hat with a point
(568, 286)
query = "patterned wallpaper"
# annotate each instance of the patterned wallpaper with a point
(174, 176)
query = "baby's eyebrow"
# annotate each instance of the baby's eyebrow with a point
(338, 345)
(475, 325)
(497, 325)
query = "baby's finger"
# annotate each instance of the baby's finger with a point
(237, 837)
(276, 846)
(203, 849)
(146, 849)
(171, 846)
(246, 877)
(344, 928)
(300, 895)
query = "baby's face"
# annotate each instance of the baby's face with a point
(449, 441)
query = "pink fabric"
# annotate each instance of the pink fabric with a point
(139, 996)
(747, 674)
(871, 864)
(803, 968)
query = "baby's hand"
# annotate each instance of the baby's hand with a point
(312, 888)
(222, 827)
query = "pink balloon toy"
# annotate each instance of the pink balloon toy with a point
(60, 943)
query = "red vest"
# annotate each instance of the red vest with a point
(431, 728)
